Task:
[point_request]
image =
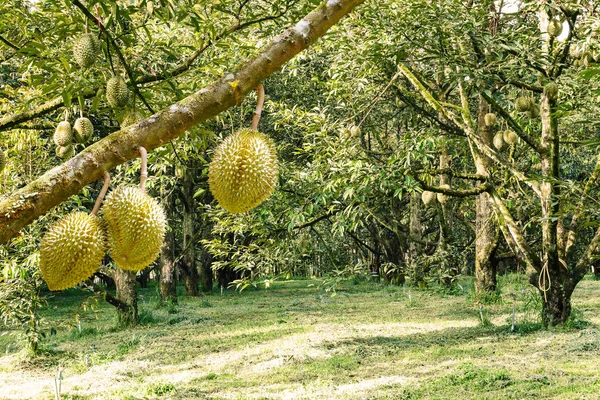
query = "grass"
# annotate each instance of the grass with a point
(295, 342)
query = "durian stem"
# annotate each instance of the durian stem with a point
(102, 194)
(81, 112)
(144, 169)
(259, 106)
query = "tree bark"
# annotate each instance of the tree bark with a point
(58, 184)
(486, 241)
(127, 311)
(188, 263)
(168, 278)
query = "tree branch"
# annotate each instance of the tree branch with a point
(55, 186)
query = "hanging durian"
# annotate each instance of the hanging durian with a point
(244, 169)
(63, 136)
(523, 104)
(510, 137)
(135, 225)
(551, 90)
(65, 151)
(499, 141)
(73, 248)
(85, 50)
(555, 27)
(83, 129)
(428, 197)
(534, 112)
(131, 118)
(490, 119)
(441, 197)
(117, 93)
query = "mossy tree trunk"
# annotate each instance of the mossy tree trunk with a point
(127, 310)
(486, 241)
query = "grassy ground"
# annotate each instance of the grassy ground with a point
(295, 342)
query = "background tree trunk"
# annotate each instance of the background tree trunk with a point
(127, 312)
(188, 264)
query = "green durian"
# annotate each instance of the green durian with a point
(510, 137)
(135, 226)
(65, 151)
(243, 172)
(85, 50)
(555, 28)
(83, 129)
(551, 90)
(441, 197)
(490, 119)
(428, 197)
(63, 136)
(131, 118)
(117, 93)
(534, 112)
(72, 250)
(499, 141)
(523, 104)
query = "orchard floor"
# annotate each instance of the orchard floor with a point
(294, 341)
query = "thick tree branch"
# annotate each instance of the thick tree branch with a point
(58, 184)
(9, 44)
(54, 104)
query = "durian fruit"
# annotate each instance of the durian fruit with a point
(135, 226)
(72, 250)
(510, 137)
(2, 160)
(551, 90)
(441, 197)
(490, 119)
(534, 112)
(83, 129)
(243, 171)
(555, 28)
(86, 49)
(499, 141)
(131, 118)
(65, 151)
(523, 104)
(63, 136)
(428, 197)
(117, 93)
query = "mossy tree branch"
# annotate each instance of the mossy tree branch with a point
(57, 185)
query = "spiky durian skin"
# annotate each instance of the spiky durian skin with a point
(428, 197)
(65, 151)
(243, 171)
(441, 197)
(2, 160)
(555, 28)
(85, 50)
(551, 90)
(63, 136)
(490, 119)
(131, 118)
(523, 104)
(117, 93)
(498, 141)
(83, 129)
(534, 112)
(135, 226)
(510, 137)
(72, 250)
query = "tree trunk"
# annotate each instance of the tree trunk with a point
(127, 311)
(206, 272)
(486, 241)
(168, 278)
(188, 265)
(556, 308)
